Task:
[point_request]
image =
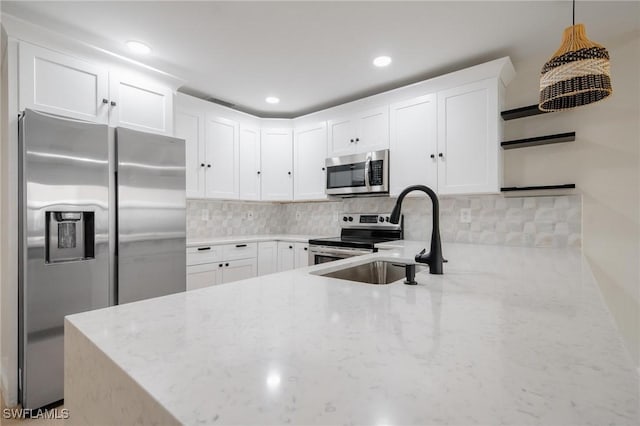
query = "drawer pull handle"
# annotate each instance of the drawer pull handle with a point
(240, 245)
(204, 248)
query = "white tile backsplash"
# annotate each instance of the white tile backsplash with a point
(534, 221)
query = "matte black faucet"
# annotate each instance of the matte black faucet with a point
(434, 258)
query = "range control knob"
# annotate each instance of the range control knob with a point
(350, 218)
(381, 219)
(344, 218)
(387, 219)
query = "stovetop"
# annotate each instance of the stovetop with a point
(363, 231)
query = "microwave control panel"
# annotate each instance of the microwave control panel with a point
(376, 173)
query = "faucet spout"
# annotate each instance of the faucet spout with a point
(434, 258)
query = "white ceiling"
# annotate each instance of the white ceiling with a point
(313, 55)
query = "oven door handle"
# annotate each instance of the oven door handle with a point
(338, 251)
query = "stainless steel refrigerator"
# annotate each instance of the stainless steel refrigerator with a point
(102, 221)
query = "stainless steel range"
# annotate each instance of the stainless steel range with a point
(360, 233)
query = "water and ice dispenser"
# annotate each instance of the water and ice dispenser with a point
(70, 236)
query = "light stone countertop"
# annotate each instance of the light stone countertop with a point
(241, 239)
(508, 335)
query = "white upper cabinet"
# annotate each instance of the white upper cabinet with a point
(221, 157)
(361, 132)
(469, 154)
(249, 162)
(277, 164)
(373, 129)
(342, 136)
(309, 153)
(413, 145)
(63, 85)
(140, 105)
(189, 125)
(60, 84)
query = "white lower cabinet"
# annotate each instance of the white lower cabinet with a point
(302, 255)
(236, 270)
(286, 256)
(218, 264)
(267, 257)
(205, 275)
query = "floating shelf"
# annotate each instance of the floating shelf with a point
(522, 112)
(539, 140)
(537, 188)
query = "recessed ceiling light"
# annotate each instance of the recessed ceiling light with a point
(272, 100)
(382, 61)
(138, 47)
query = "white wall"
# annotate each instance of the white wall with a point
(604, 164)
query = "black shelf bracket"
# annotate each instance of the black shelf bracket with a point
(539, 140)
(538, 188)
(522, 112)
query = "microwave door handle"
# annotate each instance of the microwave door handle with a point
(367, 172)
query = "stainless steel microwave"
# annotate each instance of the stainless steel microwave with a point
(358, 174)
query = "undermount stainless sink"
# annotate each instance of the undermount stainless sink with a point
(375, 272)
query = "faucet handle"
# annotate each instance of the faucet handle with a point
(424, 250)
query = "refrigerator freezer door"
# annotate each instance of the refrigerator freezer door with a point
(151, 217)
(64, 257)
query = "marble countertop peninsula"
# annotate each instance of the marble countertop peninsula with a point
(508, 335)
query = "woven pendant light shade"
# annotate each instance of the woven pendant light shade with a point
(577, 74)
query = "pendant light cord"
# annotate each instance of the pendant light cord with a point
(574, 12)
(573, 27)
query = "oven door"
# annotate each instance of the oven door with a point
(324, 254)
(358, 174)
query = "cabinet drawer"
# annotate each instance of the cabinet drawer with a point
(203, 254)
(239, 251)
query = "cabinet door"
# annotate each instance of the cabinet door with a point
(277, 165)
(413, 144)
(249, 163)
(190, 127)
(302, 255)
(469, 155)
(309, 154)
(140, 104)
(342, 136)
(236, 270)
(59, 84)
(286, 256)
(373, 129)
(222, 158)
(267, 257)
(201, 276)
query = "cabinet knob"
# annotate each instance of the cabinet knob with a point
(113, 103)
(432, 156)
(201, 164)
(352, 140)
(209, 165)
(226, 264)
(258, 171)
(289, 173)
(357, 139)
(306, 248)
(290, 247)
(323, 169)
(441, 155)
(105, 100)
(220, 265)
